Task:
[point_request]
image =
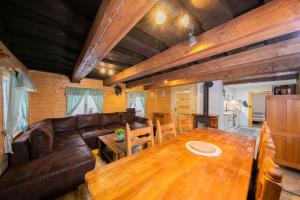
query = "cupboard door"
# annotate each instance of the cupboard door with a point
(277, 115)
(296, 150)
(280, 144)
(294, 122)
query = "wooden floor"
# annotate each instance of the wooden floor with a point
(291, 185)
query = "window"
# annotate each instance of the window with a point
(86, 106)
(15, 105)
(83, 101)
(137, 100)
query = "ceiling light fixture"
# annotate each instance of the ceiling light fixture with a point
(111, 72)
(191, 39)
(102, 70)
(185, 20)
(165, 81)
(160, 17)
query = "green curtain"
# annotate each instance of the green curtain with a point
(72, 91)
(99, 102)
(76, 95)
(72, 103)
(25, 82)
(137, 100)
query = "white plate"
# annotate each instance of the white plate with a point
(190, 145)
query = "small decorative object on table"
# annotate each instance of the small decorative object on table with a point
(120, 133)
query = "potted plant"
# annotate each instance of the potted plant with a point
(120, 133)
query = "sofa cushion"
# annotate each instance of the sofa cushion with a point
(127, 117)
(66, 140)
(47, 176)
(94, 132)
(64, 124)
(86, 121)
(110, 118)
(137, 125)
(39, 143)
(113, 127)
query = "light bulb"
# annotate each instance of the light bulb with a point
(102, 70)
(160, 17)
(185, 20)
(111, 72)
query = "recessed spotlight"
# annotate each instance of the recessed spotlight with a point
(165, 81)
(102, 70)
(111, 72)
(185, 20)
(160, 17)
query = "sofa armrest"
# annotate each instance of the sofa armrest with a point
(142, 120)
(20, 152)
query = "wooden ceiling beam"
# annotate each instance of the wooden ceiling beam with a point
(288, 63)
(276, 18)
(249, 58)
(113, 21)
(264, 78)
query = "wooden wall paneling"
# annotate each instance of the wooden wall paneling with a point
(236, 33)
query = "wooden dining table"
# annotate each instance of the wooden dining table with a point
(170, 171)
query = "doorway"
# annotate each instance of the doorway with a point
(257, 107)
(183, 102)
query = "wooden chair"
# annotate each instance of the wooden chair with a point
(268, 186)
(262, 133)
(138, 137)
(184, 124)
(165, 131)
(267, 148)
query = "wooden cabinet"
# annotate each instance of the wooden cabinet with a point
(283, 116)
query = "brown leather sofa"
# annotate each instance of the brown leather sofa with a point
(53, 156)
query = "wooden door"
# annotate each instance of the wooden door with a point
(183, 102)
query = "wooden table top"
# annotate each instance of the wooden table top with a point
(116, 147)
(170, 171)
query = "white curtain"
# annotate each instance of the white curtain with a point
(15, 102)
(137, 100)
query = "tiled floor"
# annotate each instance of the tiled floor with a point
(291, 178)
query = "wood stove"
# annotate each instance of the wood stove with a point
(205, 120)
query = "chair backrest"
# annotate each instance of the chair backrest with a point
(165, 131)
(185, 124)
(139, 137)
(262, 133)
(268, 186)
(266, 148)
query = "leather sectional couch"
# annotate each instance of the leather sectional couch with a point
(53, 156)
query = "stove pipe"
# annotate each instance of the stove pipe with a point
(206, 87)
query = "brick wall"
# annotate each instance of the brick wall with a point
(50, 101)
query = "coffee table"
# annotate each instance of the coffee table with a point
(109, 149)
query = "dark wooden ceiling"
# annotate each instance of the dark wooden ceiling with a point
(48, 35)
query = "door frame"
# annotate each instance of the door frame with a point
(250, 102)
